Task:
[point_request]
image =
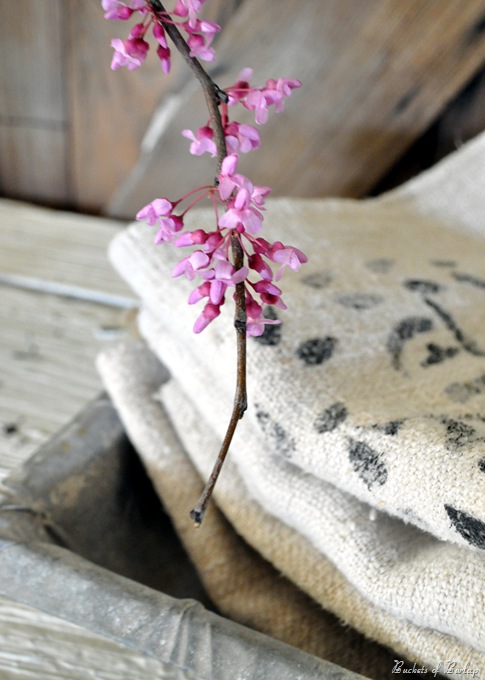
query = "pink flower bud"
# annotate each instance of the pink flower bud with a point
(209, 313)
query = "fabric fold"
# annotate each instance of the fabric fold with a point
(241, 583)
(397, 567)
(127, 371)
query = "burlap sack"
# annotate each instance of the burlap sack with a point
(131, 377)
(243, 585)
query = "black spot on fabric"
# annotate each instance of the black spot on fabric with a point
(317, 280)
(460, 392)
(380, 265)
(458, 434)
(391, 428)
(468, 344)
(317, 350)
(276, 434)
(481, 464)
(443, 263)
(438, 354)
(359, 300)
(469, 527)
(272, 332)
(331, 418)
(405, 330)
(367, 464)
(469, 278)
(423, 286)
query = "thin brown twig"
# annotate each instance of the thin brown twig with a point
(214, 96)
(212, 92)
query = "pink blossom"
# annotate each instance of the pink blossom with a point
(284, 86)
(137, 32)
(200, 293)
(129, 53)
(214, 240)
(192, 238)
(255, 326)
(201, 35)
(257, 102)
(269, 294)
(229, 180)
(199, 47)
(209, 313)
(163, 50)
(241, 137)
(159, 212)
(122, 10)
(255, 320)
(202, 141)
(256, 262)
(287, 256)
(258, 195)
(190, 264)
(159, 34)
(163, 54)
(160, 207)
(238, 91)
(259, 99)
(217, 292)
(241, 215)
(226, 176)
(169, 226)
(190, 8)
(224, 271)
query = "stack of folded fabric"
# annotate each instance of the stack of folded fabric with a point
(358, 470)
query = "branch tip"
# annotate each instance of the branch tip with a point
(197, 516)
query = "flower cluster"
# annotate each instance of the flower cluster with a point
(238, 206)
(133, 51)
(210, 261)
(238, 203)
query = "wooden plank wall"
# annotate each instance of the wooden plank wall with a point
(377, 74)
(69, 129)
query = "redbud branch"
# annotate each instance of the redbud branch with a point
(214, 96)
(212, 92)
(240, 397)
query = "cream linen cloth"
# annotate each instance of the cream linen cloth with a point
(238, 583)
(243, 585)
(370, 393)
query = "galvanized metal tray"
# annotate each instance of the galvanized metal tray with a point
(84, 537)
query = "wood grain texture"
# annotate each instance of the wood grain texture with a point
(108, 111)
(463, 119)
(375, 74)
(49, 340)
(31, 55)
(48, 344)
(51, 247)
(33, 163)
(33, 123)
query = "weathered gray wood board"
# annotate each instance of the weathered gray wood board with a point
(70, 128)
(60, 303)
